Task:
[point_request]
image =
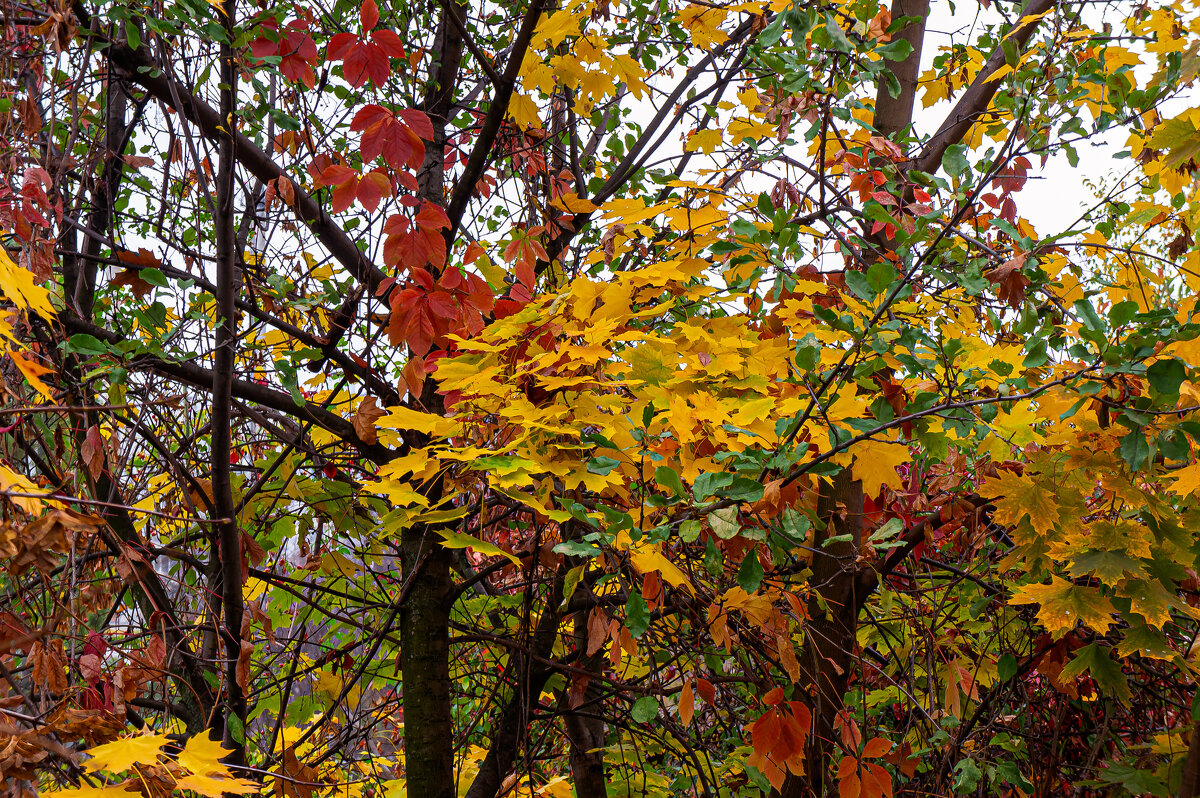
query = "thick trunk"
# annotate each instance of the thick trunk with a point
(828, 654)
(585, 729)
(425, 615)
(1189, 787)
(894, 114)
(425, 657)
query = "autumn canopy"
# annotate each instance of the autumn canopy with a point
(593, 398)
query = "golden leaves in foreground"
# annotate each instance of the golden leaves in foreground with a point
(197, 767)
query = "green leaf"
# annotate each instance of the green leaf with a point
(84, 344)
(1167, 375)
(637, 615)
(1095, 660)
(857, 282)
(837, 36)
(1135, 450)
(724, 522)
(666, 476)
(1006, 668)
(689, 531)
(955, 160)
(602, 465)
(750, 575)
(575, 548)
(154, 277)
(570, 582)
(895, 50)
(796, 525)
(1091, 320)
(707, 485)
(743, 489)
(645, 709)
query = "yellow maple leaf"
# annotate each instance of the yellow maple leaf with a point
(1149, 599)
(21, 287)
(461, 540)
(121, 755)
(13, 483)
(704, 141)
(202, 755)
(875, 464)
(1017, 496)
(400, 417)
(573, 203)
(88, 791)
(523, 111)
(1187, 481)
(216, 787)
(1064, 604)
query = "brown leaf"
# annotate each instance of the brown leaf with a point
(92, 451)
(132, 278)
(297, 779)
(89, 668)
(364, 420)
(597, 631)
(143, 258)
(879, 25)
(242, 672)
(1010, 280)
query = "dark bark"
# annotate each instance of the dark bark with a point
(425, 615)
(828, 655)
(529, 674)
(228, 553)
(81, 285)
(425, 657)
(585, 730)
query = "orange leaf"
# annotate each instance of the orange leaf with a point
(687, 703)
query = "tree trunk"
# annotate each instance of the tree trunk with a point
(585, 730)
(1190, 784)
(894, 114)
(828, 654)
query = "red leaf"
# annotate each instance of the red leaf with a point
(372, 188)
(423, 278)
(876, 747)
(354, 67)
(418, 121)
(765, 732)
(369, 15)
(474, 250)
(367, 116)
(389, 43)
(343, 195)
(340, 46)
(378, 65)
(336, 174)
(432, 217)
